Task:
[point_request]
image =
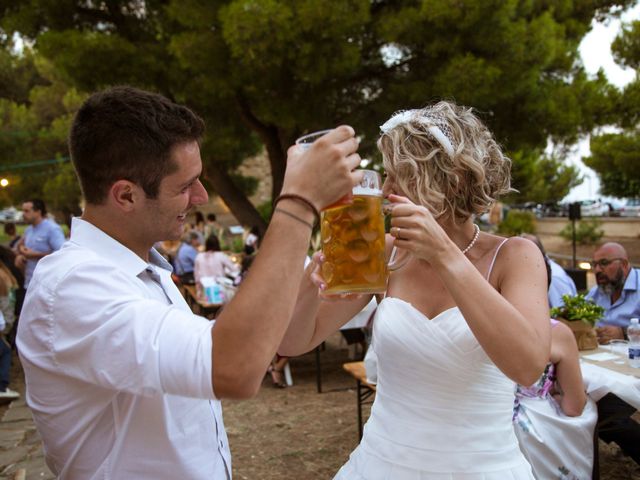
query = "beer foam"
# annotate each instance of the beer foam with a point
(359, 190)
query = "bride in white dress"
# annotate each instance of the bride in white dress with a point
(463, 321)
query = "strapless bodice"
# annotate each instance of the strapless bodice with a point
(441, 404)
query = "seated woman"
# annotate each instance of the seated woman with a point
(212, 263)
(8, 286)
(554, 419)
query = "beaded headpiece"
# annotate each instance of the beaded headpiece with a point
(436, 125)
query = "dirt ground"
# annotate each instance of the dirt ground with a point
(299, 434)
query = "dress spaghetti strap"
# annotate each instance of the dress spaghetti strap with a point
(493, 261)
(392, 257)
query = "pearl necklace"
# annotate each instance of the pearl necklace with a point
(473, 240)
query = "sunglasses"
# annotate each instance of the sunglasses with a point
(605, 262)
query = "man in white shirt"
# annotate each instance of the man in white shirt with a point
(122, 379)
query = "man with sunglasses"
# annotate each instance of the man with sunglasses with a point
(618, 291)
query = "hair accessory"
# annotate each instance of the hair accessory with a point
(436, 125)
(295, 217)
(300, 198)
(473, 240)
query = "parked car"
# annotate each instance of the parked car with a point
(593, 208)
(615, 207)
(554, 209)
(10, 214)
(631, 208)
(533, 207)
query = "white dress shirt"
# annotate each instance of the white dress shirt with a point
(117, 368)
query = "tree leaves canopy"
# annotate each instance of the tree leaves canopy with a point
(261, 72)
(616, 156)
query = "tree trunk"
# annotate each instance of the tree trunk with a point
(269, 134)
(235, 199)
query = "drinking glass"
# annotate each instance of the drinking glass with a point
(307, 140)
(353, 242)
(619, 348)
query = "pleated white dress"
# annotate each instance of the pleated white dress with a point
(442, 410)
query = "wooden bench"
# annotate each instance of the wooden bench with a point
(365, 390)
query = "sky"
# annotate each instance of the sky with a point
(595, 50)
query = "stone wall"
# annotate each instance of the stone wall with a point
(613, 227)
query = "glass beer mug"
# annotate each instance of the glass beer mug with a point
(353, 242)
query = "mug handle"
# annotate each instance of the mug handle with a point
(399, 256)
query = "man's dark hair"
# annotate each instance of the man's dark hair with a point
(191, 235)
(127, 133)
(10, 228)
(211, 217)
(38, 205)
(212, 244)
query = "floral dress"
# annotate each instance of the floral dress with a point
(556, 446)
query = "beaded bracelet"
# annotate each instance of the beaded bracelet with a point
(294, 216)
(300, 198)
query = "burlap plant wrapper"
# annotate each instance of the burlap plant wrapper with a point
(585, 334)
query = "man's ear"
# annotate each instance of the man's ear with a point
(124, 195)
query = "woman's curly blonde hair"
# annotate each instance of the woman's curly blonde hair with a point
(458, 186)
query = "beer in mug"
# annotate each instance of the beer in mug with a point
(353, 241)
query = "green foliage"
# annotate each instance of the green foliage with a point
(517, 222)
(588, 231)
(237, 245)
(62, 192)
(33, 139)
(261, 72)
(578, 308)
(266, 210)
(615, 157)
(541, 178)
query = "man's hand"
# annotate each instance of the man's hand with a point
(325, 172)
(608, 333)
(29, 253)
(20, 261)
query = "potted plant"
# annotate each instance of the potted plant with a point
(581, 316)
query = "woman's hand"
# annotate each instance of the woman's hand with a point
(314, 273)
(416, 230)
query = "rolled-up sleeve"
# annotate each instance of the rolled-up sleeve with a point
(108, 334)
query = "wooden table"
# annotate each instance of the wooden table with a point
(365, 390)
(198, 304)
(623, 367)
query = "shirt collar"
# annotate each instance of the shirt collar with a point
(631, 283)
(87, 235)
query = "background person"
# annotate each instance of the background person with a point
(8, 260)
(123, 381)
(8, 286)
(252, 242)
(185, 259)
(212, 227)
(618, 291)
(561, 282)
(554, 419)
(464, 318)
(11, 232)
(42, 237)
(213, 263)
